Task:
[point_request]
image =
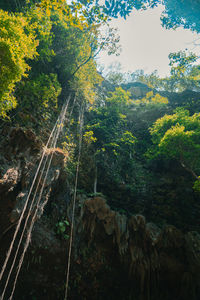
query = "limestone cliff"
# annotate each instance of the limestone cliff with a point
(113, 257)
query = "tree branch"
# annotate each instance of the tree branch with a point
(190, 171)
(87, 60)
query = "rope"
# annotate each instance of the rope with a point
(32, 224)
(25, 206)
(74, 201)
(35, 213)
(53, 134)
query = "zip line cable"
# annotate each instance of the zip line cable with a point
(81, 120)
(25, 206)
(52, 135)
(22, 234)
(33, 199)
(26, 203)
(63, 112)
(68, 119)
(35, 214)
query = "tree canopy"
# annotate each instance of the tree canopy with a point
(54, 44)
(177, 137)
(16, 45)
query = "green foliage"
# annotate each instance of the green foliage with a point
(152, 80)
(151, 100)
(12, 5)
(184, 74)
(196, 185)
(41, 24)
(183, 13)
(119, 98)
(109, 121)
(176, 142)
(89, 137)
(177, 137)
(109, 145)
(40, 95)
(61, 229)
(66, 43)
(180, 62)
(16, 45)
(115, 76)
(177, 13)
(74, 50)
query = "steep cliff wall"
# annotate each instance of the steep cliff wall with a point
(113, 257)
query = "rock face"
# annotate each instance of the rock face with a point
(113, 256)
(20, 153)
(155, 263)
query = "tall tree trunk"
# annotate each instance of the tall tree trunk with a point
(190, 171)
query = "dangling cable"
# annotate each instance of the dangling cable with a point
(36, 211)
(25, 206)
(52, 135)
(81, 117)
(32, 204)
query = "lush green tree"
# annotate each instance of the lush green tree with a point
(115, 78)
(177, 13)
(39, 96)
(17, 43)
(152, 99)
(74, 59)
(177, 137)
(107, 139)
(67, 44)
(184, 74)
(12, 5)
(183, 13)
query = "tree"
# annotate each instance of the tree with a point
(73, 61)
(73, 44)
(12, 5)
(177, 13)
(40, 95)
(184, 74)
(152, 100)
(152, 80)
(17, 43)
(177, 137)
(66, 47)
(107, 139)
(183, 13)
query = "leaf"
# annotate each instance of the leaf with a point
(107, 4)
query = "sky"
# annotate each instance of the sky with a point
(146, 44)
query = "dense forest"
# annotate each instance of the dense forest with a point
(121, 193)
